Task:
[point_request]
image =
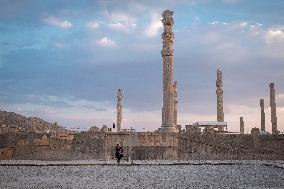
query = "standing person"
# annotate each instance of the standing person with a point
(118, 153)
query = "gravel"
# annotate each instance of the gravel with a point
(153, 174)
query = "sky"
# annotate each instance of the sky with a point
(64, 60)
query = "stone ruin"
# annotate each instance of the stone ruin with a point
(168, 109)
(119, 110)
(170, 142)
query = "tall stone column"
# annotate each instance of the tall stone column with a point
(242, 125)
(167, 54)
(175, 102)
(219, 93)
(273, 109)
(261, 102)
(119, 110)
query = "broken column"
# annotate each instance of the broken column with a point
(168, 124)
(273, 109)
(242, 125)
(119, 110)
(219, 92)
(262, 115)
(175, 102)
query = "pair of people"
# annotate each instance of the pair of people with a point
(118, 153)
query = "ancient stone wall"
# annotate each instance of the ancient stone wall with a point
(142, 146)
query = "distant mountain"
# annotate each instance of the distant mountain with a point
(25, 124)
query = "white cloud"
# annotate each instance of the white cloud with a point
(274, 35)
(270, 38)
(92, 25)
(106, 42)
(231, 25)
(122, 26)
(154, 27)
(121, 21)
(273, 39)
(243, 24)
(216, 22)
(240, 40)
(65, 24)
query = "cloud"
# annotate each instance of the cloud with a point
(121, 21)
(243, 24)
(92, 25)
(268, 40)
(122, 26)
(216, 22)
(65, 24)
(153, 29)
(231, 25)
(274, 35)
(106, 42)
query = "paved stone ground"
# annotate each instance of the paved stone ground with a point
(215, 175)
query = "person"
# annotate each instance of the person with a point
(118, 153)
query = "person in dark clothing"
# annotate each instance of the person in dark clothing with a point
(118, 153)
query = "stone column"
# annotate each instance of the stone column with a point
(119, 110)
(219, 92)
(175, 102)
(242, 125)
(261, 102)
(167, 54)
(273, 109)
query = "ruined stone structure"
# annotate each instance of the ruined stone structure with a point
(33, 138)
(189, 144)
(273, 109)
(255, 131)
(168, 122)
(262, 114)
(219, 92)
(175, 103)
(119, 110)
(242, 125)
(143, 146)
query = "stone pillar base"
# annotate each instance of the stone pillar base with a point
(169, 128)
